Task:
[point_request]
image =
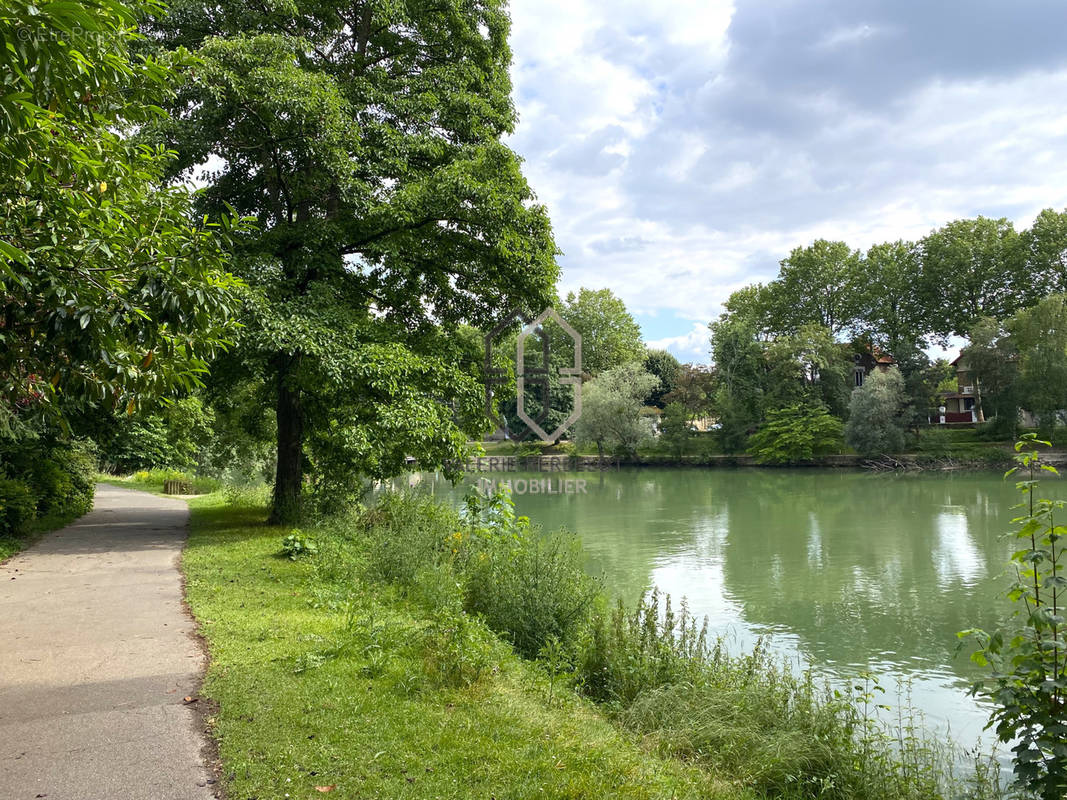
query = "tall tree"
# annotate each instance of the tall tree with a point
(366, 139)
(895, 317)
(111, 293)
(877, 414)
(665, 367)
(992, 363)
(757, 306)
(740, 372)
(611, 410)
(808, 367)
(1045, 246)
(1039, 336)
(610, 336)
(693, 389)
(972, 268)
(822, 283)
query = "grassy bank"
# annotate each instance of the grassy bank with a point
(412, 652)
(324, 679)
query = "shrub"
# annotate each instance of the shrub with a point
(526, 586)
(457, 650)
(531, 588)
(64, 479)
(406, 533)
(1028, 684)
(795, 433)
(58, 476)
(298, 545)
(624, 654)
(18, 506)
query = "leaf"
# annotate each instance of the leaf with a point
(324, 789)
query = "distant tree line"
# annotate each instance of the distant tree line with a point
(791, 343)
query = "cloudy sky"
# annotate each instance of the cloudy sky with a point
(684, 147)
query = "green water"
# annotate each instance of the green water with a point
(846, 571)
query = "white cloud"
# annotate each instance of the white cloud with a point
(691, 347)
(683, 149)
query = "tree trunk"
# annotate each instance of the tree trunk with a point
(289, 476)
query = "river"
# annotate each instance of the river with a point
(845, 571)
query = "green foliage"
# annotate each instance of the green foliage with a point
(665, 367)
(178, 437)
(526, 586)
(808, 366)
(925, 382)
(18, 506)
(675, 428)
(972, 269)
(626, 654)
(408, 532)
(297, 544)
(739, 381)
(458, 650)
(1039, 335)
(1028, 663)
(991, 361)
(694, 388)
(367, 142)
(795, 433)
(822, 284)
(611, 410)
(113, 294)
(876, 414)
(43, 479)
(895, 317)
(1045, 244)
(610, 337)
(531, 588)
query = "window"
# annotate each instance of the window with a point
(859, 374)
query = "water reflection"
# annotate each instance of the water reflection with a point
(956, 557)
(847, 570)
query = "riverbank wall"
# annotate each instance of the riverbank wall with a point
(993, 458)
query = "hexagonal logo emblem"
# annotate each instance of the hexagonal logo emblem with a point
(538, 378)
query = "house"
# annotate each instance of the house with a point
(958, 407)
(866, 362)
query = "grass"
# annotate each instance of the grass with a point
(325, 680)
(373, 660)
(152, 480)
(10, 545)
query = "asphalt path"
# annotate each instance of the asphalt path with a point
(99, 664)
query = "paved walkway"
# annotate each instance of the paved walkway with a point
(96, 658)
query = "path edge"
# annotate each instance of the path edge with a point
(205, 709)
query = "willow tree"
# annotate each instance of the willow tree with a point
(365, 137)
